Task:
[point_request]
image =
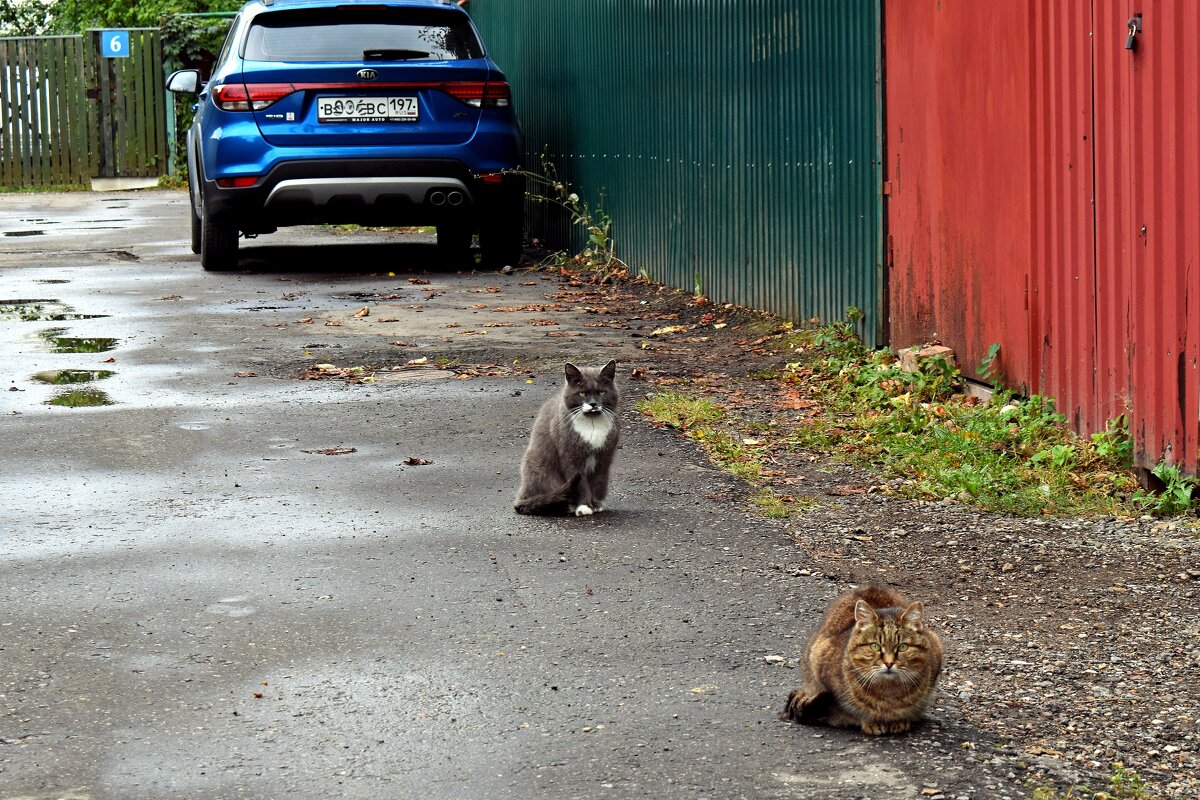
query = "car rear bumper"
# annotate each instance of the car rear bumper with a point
(363, 191)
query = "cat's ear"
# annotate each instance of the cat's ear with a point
(609, 371)
(864, 614)
(913, 616)
(572, 372)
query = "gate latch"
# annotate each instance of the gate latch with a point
(1135, 27)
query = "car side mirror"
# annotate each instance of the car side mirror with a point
(184, 81)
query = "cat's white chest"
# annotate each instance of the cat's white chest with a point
(593, 430)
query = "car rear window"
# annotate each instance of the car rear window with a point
(353, 34)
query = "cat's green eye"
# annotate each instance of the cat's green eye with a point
(902, 648)
(875, 646)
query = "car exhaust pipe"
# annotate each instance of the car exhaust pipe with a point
(437, 198)
(455, 198)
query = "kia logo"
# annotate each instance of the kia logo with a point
(368, 74)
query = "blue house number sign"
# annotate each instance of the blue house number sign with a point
(114, 44)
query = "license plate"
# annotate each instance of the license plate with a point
(367, 109)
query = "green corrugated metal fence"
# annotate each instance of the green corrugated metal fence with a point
(737, 141)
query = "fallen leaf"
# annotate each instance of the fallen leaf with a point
(172, 297)
(479, 305)
(387, 319)
(669, 329)
(703, 688)
(110, 361)
(416, 362)
(245, 374)
(847, 490)
(365, 311)
(543, 322)
(333, 323)
(305, 321)
(413, 461)
(332, 451)
(258, 695)
(452, 324)
(418, 281)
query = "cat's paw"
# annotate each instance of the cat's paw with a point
(797, 702)
(882, 728)
(583, 511)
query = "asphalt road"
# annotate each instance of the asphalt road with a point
(196, 607)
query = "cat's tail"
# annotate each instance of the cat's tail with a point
(534, 504)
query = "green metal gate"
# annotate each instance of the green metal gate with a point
(737, 141)
(68, 115)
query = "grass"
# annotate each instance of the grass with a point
(1123, 784)
(718, 434)
(1011, 454)
(925, 437)
(45, 187)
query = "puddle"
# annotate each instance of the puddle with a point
(193, 426)
(24, 233)
(58, 377)
(40, 311)
(76, 344)
(52, 280)
(81, 398)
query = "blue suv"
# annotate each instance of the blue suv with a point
(380, 113)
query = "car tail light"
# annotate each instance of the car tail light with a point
(250, 96)
(237, 183)
(494, 94)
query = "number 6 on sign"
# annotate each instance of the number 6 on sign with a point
(114, 44)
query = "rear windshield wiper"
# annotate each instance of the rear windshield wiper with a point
(393, 55)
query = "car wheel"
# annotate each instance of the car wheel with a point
(454, 243)
(502, 238)
(197, 225)
(218, 244)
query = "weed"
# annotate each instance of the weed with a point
(1176, 497)
(599, 250)
(1123, 784)
(1114, 442)
(1011, 454)
(989, 367)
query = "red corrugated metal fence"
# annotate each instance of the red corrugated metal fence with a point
(1045, 194)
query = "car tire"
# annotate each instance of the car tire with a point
(218, 244)
(197, 225)
(502, 238)
(454, 244)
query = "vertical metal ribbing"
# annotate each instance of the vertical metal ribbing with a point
(736, 140)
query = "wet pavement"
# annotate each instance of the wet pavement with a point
(232, 583)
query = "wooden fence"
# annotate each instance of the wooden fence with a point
(67, 115)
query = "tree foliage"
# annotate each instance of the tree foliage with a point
(37, 17)
(27, 17)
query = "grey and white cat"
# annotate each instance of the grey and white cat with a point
(571, 449)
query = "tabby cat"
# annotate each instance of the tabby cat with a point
(571, 449)
(871, 663)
